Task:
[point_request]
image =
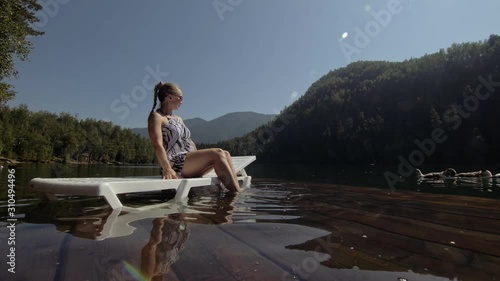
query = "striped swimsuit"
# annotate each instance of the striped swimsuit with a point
(177, 142)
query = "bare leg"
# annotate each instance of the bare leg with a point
(199, 162)
(230, 161)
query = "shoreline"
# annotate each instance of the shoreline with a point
(4, 160)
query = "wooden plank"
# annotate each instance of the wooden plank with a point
(464, 217)
(401, 236)
(215, 255)
(370, 248)
(37, 253)
(98, 260)
(271, 241)
(275, 241)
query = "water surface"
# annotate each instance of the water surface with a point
(294, 223)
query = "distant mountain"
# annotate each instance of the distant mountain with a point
(189, 123)
(194, 122)
(223, 128)
(228, 126)
(141, 131)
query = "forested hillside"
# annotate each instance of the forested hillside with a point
(44, 136)
(444, 105)
(376, 111)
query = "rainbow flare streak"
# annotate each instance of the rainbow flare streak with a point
(134, 272)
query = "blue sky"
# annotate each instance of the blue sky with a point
(99, 59)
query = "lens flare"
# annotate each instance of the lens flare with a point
(134, 272)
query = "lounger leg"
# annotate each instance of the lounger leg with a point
(47, 196)
(111, 197)
(182, 191)
(113, 201)
(246, 181)
(243, 173)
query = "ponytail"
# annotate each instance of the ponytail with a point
(156, 91)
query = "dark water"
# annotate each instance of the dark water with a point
(294, 223)
(378, 177)
(367, 176)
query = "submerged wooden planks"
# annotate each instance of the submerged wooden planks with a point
(450, 236)
(343, 233)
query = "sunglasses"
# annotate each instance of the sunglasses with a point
(179, 96)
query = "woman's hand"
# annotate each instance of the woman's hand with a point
(169, 174)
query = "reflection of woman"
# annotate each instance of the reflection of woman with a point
(168, 236)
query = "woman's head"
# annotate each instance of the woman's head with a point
(166, 92)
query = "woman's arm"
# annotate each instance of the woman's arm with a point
(154, 129)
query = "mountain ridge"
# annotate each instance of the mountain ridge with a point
(222, 128)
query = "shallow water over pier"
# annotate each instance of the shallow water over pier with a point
(278, 229)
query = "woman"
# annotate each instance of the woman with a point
(174, 148)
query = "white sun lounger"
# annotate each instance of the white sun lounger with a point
(48, 188)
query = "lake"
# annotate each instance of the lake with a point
(295, 222)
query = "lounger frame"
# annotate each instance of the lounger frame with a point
(109, 188)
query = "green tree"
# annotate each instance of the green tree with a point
(15, 19)
(435, 119)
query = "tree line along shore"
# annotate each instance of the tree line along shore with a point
(441, 107)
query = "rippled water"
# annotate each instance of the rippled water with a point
(276, 230)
